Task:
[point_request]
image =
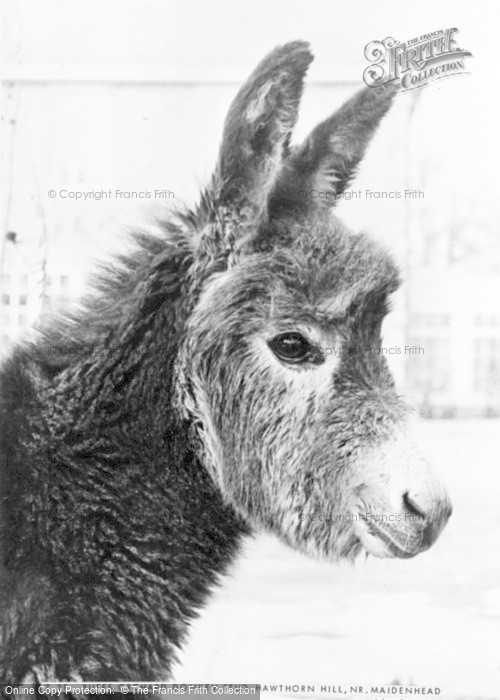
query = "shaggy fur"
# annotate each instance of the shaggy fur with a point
(133, 464)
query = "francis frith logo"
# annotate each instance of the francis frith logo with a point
(416, 62)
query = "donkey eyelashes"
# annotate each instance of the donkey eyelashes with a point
(293, 348)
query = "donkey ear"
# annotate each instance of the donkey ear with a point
(255, 139)
(327, 160)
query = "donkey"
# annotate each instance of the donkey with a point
(191, 402)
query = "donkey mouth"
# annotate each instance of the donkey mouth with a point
(387, 542)
(397, 547)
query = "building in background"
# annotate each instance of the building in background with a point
(455, 319)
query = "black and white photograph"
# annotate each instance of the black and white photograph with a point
(250, 349)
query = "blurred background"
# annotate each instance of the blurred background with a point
(131, 96)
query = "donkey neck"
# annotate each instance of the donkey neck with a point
(111, 419)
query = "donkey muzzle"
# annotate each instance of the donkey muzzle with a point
(403, 510)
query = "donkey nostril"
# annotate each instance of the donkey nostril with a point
(412, 506)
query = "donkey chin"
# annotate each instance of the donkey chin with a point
(403, 507)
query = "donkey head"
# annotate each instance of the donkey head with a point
(295, 411)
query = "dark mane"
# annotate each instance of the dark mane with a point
(139, 281)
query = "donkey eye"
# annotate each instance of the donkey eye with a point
(292, 348)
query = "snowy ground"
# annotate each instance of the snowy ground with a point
(433, 620)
